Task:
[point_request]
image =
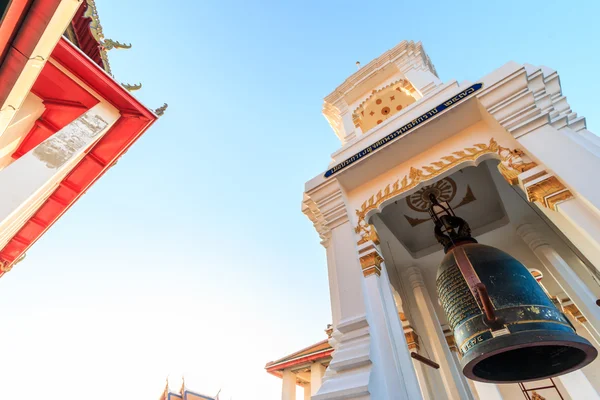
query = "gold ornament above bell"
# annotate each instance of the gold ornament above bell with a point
(505, 326)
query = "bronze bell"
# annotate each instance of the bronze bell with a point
(505, 326)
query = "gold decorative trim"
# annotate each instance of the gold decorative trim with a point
(403, 85)
(510, 160)
(514, 162)
(96, 30)
(132, 88)
(548, 192)
(468, 198)
(160, 111)
(412, 340)
(371, 264)
(536, 396)
(575, 313)
(451, 343)
(371, 235)
(110, 44)
(444, 190)
(5, 266)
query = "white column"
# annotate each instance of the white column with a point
(487, 391)
(420, 368)
(568, 159)
(288, 390)
(585, 219)
(451, 376)
(568, 280)
(317, 370)
(578, 386)
(307, 391)
(364, 363)
(398, 378)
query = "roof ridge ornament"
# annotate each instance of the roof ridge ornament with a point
(110, 44)
(160, 111)
(132, 88)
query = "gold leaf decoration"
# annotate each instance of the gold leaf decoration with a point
(514, 160)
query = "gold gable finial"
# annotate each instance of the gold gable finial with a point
(182, 390)
(160, 111)
(132, 88)
(96, 30)
(110, 44)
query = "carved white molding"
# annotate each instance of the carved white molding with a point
(407, 56)
(529, 98)
(326, 209)
(530, 236)
(415, 277)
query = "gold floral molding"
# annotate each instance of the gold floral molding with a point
(369, 234)
(383, 103)
(511, 161)
(371, 264)
(548, 192)
(575, 313)
(96, 30)
(412, 340)
(536, 396)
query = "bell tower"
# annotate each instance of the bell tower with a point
(386, 86)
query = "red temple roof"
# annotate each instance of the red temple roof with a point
(320, 351)
(135, 119)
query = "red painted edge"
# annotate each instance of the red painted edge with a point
(134, 121)
(88, 71)
(302, 360)
(27, 24)
(9, 25)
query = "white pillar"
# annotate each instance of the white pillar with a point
(585, 220)
(568, 159)
(437, 340)
(578, 386)
(421, 371)
(307, 391)
(392, 355)
(568, 280)
(317, 370)
(288, 390)
(487, 391)
(365, 364)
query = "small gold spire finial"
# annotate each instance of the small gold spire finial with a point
(160, 111)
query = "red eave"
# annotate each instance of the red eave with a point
(134, 121)
(298, 358)
(20, 31)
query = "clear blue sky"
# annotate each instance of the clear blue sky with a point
(191, 255)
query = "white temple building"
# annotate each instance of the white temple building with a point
(510, 157)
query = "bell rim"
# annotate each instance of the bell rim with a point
(566, 339)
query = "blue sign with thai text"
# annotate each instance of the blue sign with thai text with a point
(402, 130)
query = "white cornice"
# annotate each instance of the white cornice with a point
(408, 50)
